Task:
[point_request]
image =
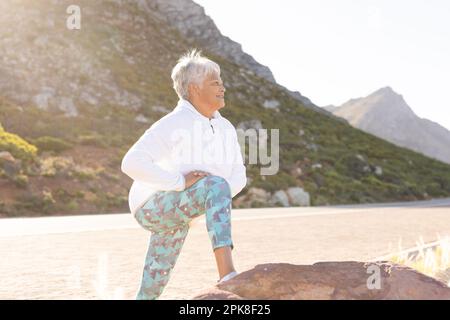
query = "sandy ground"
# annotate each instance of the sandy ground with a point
(101, 256)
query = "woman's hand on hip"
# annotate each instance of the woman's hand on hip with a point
(193, 176)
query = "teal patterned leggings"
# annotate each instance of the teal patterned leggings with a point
(167, 215)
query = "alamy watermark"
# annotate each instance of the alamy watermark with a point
(226, 147)
(374, 280)
(73, 21)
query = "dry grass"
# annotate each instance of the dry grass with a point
(430, 259)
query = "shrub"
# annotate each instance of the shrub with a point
(52, 166)
(92, 140)
(21, 180)
(434, 188)
(109, 200)
(72, 205)
(17, 146)
(47, 143)
(276, 182)
(84, 173)
(42, 203)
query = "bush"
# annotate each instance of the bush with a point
(42, 203)
(21, 180)
(275, 182)
(84, 173)
(434, 188)
(47, 143)
(17, 146)
(372, 181)
(109, 200)
(72, 205)
(92, 140)
(53, 166)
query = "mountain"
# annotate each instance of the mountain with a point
(330, 108)
(72, 102)
(385, 114)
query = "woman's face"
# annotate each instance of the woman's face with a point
(212, 92)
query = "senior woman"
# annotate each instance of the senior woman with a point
(188, 163)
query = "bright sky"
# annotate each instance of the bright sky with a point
(332, 51)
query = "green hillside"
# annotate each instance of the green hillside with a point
(75, 168)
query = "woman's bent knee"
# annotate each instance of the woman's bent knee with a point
(218, 180)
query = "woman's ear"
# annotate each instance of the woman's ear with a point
(193, 89)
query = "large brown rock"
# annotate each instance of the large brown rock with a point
(328, 281)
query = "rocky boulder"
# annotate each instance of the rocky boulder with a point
(294, 196)
(6, 156)
(9, 165)
(298, 196)
(346, 280)
(280, 197)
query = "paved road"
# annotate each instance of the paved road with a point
(101, 256)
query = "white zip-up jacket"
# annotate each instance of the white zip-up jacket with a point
(182, 141)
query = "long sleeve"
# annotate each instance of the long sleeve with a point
(238, 177)
(139, 163)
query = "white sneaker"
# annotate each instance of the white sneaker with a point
(228, 277)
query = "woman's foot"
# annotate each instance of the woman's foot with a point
(228, 277)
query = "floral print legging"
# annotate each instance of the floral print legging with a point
(167, 215)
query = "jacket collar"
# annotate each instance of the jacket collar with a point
(185, 104)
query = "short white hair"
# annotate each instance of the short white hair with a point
(192, 67)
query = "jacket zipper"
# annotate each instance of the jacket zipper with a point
(211, 126)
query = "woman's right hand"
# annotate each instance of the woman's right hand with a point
(193, 176)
